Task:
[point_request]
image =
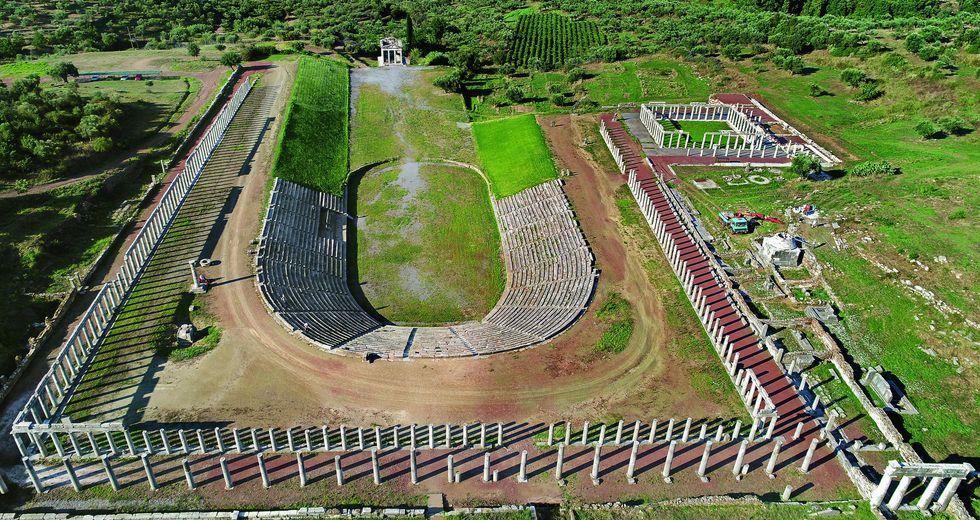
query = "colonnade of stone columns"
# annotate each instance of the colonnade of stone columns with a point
(948, 477)
(613, 149)
(55, 386)
(750, 388)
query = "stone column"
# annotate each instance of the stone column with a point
(799, 430)
(568, 433)
(188, 474)
(343, 437)
(522, 474)
(619, 433)
(432, 437)
(559, 463)
(263, 472)
(360, 438)
(631, 468)
(948, 493)
(229, 483)
(703, 466)
(375, 467)
(602, 434)
(670, 430)
(72, 477)
(929, 493)
(595, 464)
(32, 473)
(449, 436)
(148, 469)
(805, 467)
(687, 430)
(325, 433)
(413, 467)
(339, 470)
(899, 494)
(585, 433)
(551, 434)
(653, 432)
(450, 471)
(109, 473)
(301, 469)
(669, 461)
(737, 468)
(771, 466)
(878, 495)
(486, 467)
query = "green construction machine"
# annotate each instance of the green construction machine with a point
(737, 223)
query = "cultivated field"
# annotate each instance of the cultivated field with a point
(551, 39)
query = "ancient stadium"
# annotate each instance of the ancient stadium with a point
(357, 292)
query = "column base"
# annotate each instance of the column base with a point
(704, 479)
(668, 480)
(631, 480)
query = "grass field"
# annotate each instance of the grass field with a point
(149, 106)
(882, 323)
(651, 78)
(428, 247)
(514, 154)
(420, 121)
(913, 217)
(312, 147)
(696, 129)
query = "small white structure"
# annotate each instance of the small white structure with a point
(391, 52)
(782, 250)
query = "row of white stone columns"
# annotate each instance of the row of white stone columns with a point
(739, 468)
(88, 441)
(753, 394)
(55, 385)
(934, 474)
(613, 149)
(114, 441)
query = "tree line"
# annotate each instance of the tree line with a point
(41, 128)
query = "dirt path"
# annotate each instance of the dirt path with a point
(209, 82)
(262, 375)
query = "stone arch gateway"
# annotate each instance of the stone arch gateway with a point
(302, 276)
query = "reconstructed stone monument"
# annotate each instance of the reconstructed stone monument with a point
(391, 52)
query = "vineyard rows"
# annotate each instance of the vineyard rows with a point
(551, 38)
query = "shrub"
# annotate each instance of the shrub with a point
(451, 81)
(895, 61)
(852, 76)
(732, 51)
(794, 64)
(928, 130)
(816, 90)
(805, 165)
(576, 74)
(514, 93)
(869, 91)
(231, 59)
(193, 49)
(914, 43)
(953, 125)
(873, 169)
(930, 52)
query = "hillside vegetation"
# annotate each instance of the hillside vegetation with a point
(312, 148)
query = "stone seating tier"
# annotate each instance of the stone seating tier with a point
(302, 273)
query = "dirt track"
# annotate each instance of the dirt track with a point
(261, 375)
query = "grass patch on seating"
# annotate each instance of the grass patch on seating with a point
(514, 154)
(616, 316)
(428, 249)
(312, 147)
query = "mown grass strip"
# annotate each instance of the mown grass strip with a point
(312, 147)
(514, 154)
